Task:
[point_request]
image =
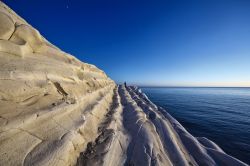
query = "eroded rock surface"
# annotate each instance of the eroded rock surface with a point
(50, 102)
(56, 110)
(140, 133)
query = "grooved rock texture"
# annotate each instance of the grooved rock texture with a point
(50, 102)
(56, 110)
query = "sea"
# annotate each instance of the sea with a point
(219, 114)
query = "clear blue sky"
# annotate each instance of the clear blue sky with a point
(150, 42)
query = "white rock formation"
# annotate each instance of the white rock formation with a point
(56, 110)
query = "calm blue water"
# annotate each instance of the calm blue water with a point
(220, 114)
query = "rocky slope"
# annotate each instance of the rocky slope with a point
(56, 110)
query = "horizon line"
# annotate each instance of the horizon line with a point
(245, 85)
(180, 86)
(156, 86)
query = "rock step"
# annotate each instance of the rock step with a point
(56, 133)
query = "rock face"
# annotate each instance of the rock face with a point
(50, 102)
(56, 110)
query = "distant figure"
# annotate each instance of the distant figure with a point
(125, 84)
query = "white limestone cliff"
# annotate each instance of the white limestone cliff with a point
(56, 110)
